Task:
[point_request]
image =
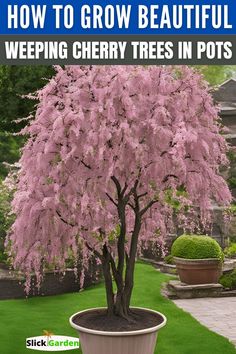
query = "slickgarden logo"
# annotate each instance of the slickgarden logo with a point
(51, 343)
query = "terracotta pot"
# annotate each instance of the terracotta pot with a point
(131, 342)
(198, 271)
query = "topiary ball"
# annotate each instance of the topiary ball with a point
(196, 247)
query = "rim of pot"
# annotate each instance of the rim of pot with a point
(197, 259)
(125, 333)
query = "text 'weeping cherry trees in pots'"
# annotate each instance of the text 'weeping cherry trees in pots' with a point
(110, 151)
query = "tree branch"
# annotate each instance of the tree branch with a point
(63, 220)
(89, 167)
(132, 191)
(91, 249)
(108, 279)
(142, 195)
(124, 189)
(131, 206)
(113, 266)
(136, 200)
(117, 184)
(148, 206)
(112, 200)
(126, 257)
(130, 261)
(121, 238)
(165, 179)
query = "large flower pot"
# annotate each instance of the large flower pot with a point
(198, 271)
(131, 342)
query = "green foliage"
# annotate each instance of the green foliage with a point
(216, 74)
(230, 251)
(16, 81)
(174, 200)
(232, 182)
(228, 280)
(196, 247)
(9, 150)
(233, 238)
(6, 219)
(169, 259)
(114, 234)
(231, 209)
(231, 156)
(3, 256)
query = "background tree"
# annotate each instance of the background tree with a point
(216, 74)
(7, 189)
(110, 149)
(16, 81)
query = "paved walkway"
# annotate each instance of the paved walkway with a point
(218, 314)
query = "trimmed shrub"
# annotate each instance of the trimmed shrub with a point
(196, 247)
(230, 251)
(229, 280)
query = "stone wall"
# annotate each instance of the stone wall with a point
(12, 286)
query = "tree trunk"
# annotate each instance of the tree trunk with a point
(124, 288)
(119, 305)
(129, 275)
(108, 282)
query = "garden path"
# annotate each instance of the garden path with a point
(218, 314)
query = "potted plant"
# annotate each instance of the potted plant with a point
(109, 150)
(198, 259)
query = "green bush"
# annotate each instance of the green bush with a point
(231, 250)
(3, 257)
(6, 220)
(229, 280)
(16, 81)
(196, 247)
(233, 238)
(169, 259)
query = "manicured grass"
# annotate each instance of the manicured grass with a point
(29, 317)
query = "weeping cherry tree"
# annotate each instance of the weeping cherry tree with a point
(110, 151)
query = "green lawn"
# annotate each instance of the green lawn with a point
(29, 317)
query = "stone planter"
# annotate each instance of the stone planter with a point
(103, 342)
(198, 271)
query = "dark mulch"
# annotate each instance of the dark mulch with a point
(99, 320)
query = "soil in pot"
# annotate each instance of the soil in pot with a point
(98, 320)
